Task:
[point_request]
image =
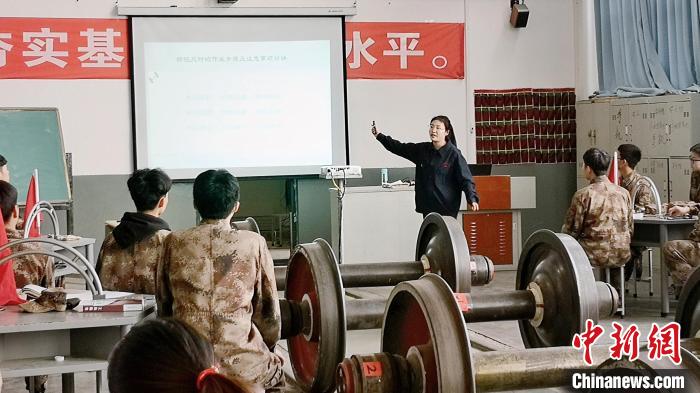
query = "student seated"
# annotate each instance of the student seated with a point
(130, 253)
(29, 269)
(167, 356)
(630, 155)
(600, 217)
(691, 207)
(682, 257)
(221, 281)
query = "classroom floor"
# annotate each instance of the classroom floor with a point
(492, 335)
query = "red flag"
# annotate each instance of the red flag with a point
(32, 198)
(8, 286)
(613, 173)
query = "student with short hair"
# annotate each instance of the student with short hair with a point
(600, 217)
(221, 281)
(166, 355)
(130, 253)
(29, 269)
(630, 155)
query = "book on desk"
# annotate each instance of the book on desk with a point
(114, 301)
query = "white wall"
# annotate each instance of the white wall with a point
(501, 57)
(586, 56)
(96, 114)
(403, 108)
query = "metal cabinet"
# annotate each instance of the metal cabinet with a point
(679, 179)
(592, 130)
(679, 128)
(663, 127)
(620, 125)
(657, 170)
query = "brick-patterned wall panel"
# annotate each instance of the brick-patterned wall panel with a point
(525, 126)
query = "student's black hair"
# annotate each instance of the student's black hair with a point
(166, 356)
(695, 149)
(3, 160)
(215, 193)
(448, 127)
(630, 153)
(8, 199)
(598, 160)
(147, 186)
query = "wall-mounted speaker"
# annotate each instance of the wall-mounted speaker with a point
(518, 14)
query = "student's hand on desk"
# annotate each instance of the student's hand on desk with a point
(474, 206)
(677, 211)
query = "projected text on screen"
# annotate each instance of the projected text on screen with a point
(219, 104)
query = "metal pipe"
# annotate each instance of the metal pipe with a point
(88, 266)
(509, 306)
(41, 206)
(358, 275)
(95, 288)
(379, 275)
(532, 368)
(654, 191)
(364, 313)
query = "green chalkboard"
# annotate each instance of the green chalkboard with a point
(31, 138)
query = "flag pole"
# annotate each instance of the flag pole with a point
(36, 189)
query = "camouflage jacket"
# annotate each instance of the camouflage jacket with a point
(644, 200)
(30, 269)
(694, 202)
(600, 219)
(131, 269)
(222, 282)
(694, 193)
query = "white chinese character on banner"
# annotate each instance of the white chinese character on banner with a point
(100, 49)
(4, 48)
(359, 50)
(403, 48)
(42, 47)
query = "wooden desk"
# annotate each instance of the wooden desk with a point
(29, 342)
(654, 232)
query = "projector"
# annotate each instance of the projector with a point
(341, 172)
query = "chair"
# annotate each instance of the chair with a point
(649, 278)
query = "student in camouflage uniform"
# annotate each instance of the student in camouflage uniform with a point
(29, 269)
(630, 155)
(221, 281)
(691, 207)
(683, 256)
(129, 255)
(600, 217)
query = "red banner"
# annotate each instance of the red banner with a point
(38, 48)
(404, 50)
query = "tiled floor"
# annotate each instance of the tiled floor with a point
(496, 335)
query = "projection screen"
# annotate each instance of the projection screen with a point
(259, 96)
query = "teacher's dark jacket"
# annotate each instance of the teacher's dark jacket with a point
(441, 175)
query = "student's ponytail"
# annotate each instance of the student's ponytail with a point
(210, 381)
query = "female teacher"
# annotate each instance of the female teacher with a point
(442, 173)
